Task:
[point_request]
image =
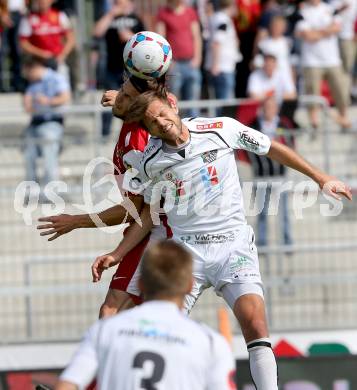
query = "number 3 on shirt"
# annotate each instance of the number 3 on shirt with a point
(158, 362)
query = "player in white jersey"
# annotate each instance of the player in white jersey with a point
(154, 346)
(192, 163)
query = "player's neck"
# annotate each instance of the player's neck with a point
(182, 139)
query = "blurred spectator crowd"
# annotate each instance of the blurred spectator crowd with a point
(221, 48)
(269, 51)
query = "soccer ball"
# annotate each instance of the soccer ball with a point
(147, 55)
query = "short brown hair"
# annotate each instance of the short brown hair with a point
(166, 270)
(224, 4)
(137, 109)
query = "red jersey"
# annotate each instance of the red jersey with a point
(178, 31)
(248, 15)
(45, 30)
(131, 144)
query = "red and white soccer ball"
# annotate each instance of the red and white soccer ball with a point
(147, 55)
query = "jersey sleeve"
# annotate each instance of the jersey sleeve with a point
(193, 16)
(84, 364)
(221, 374)
(288, 83)
(253, 87)
(62, 84)
(238, 136)
(25, 30)
(127, 156)
(219, 31)
(131, 144)
(161, 16)
(65, 22)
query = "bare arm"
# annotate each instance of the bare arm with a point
(310, 35)
(28, 103)
(104, 22)
(261, 34)
(216, 47)
(68, 46)
(197, 44)
(288, 157)
(133, 236)
(58, 225)
(60, 99)
(161, 29)
(289, 96)
(29, 48)
(63, 385)
(315, 35)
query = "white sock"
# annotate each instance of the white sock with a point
(262, 364)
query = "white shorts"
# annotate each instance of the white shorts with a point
(228, 262)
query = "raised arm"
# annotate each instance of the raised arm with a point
(103, 24)
(288, 157)
(58, 225)
(64, 385)
(133, 236)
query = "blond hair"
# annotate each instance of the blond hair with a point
(166, 270)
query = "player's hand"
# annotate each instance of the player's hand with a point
(108, 98)
(125, 35)
(335, 188)
(116, 10)
(46, 55)
(215, 70)
(61, 59)
(43, 100)
(196, 62)
(102, 263)
(57, 225)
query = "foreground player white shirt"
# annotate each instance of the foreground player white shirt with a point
(200, 181)
(153, 346)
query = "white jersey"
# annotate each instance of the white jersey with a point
(200, 181)
(153, 346)
(224, 33)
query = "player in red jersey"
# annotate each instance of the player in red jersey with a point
(123, 292)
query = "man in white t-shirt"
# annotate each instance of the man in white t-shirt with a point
(154, 346)
(223, 51)
(191, 163)
(320, 56)
(271, 81)
(347, 11)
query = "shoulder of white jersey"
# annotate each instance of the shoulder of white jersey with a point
(216, 127)
(216, 342)
(149, 155)
(203, 124)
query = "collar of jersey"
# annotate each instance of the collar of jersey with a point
(162, 305)
(172, 149)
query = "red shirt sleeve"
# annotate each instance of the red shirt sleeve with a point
(193, 16)
(132, 137)
(161, 15)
